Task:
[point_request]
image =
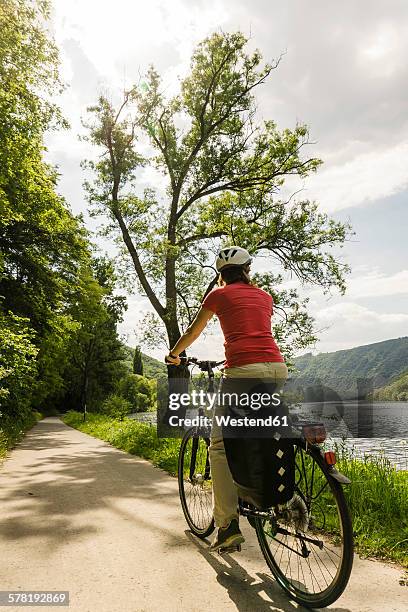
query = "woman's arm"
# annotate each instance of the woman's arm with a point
(190, 335)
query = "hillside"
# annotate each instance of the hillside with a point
(396, 390)
(152, 368)
(373, 365)
(382, 366)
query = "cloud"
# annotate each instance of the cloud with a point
(344, 73)
(121, 39)
(366, 178)
(377, 284)
(349, 324)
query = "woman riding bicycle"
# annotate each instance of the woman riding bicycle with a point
(244, 312)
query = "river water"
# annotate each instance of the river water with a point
(378, 428)
(381, 427)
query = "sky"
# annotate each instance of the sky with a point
(343, 72)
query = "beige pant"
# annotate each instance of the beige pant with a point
(224, 492)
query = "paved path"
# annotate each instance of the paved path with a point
(79, 515)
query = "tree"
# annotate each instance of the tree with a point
(17, 367)
(56, 304)
(41, 242)
(42, 245)
(138, 362)
(96, 352)
(225, 170)
(138, 390)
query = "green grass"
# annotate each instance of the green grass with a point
(378, 495)
(12, 432)
(378, 499)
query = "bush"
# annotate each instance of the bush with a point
(17, 366)
(116, 407)
(138, 390)
(13, 429)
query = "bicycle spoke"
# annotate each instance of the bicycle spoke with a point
(310, 562)
(195, 487)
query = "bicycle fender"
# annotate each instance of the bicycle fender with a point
(338, 476)
(334, 473)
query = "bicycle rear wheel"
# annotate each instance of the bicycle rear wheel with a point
(308, 542)
(195, 487)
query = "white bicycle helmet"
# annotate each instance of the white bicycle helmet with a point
(232, 256)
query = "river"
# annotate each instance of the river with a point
(384, 423)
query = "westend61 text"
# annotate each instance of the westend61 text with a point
(255, 401)
(228, 421)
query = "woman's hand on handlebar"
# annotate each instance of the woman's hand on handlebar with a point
(172, 360)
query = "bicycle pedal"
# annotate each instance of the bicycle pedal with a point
(229, 549)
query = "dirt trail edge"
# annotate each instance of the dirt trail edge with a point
(81, 516)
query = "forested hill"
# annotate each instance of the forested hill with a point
(395, 391)
(152, 368)
(378, 364)
(383, 363)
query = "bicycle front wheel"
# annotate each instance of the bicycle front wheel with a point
(195, 487)
(308, 542)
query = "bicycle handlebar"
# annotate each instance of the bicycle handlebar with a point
(202, 364)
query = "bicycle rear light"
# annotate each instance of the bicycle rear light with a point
(315, 433)
(330, 457)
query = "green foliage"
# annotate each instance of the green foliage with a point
(225, 170)
(396, 390)
(41, 242)
(377, 490)
(116, 407)
(153, 368)
(28, 58)
(17, 366)
(54, 358)
(58, 312)
(138, 362)
(374, 364)
(139, 391)
(96, 352)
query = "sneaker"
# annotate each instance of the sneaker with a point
(228, 536)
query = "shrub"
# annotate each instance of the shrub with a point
(138, 390)
(17, 365)
(13, 429)
(116, 407)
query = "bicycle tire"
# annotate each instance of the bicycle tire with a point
(204, 528)
(327, 596)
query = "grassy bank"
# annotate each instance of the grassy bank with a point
(12, 432)
(378, 496)
(378, 499)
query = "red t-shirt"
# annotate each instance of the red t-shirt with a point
(245, 314)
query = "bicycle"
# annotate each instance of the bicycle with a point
(307, 543)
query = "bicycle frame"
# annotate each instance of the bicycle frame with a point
(309, 448)
(297, 527)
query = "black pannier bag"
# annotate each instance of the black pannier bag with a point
(261, 458)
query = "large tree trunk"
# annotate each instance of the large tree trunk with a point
(177, 383)
(173, 333)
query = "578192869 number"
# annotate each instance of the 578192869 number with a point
(34, 598)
